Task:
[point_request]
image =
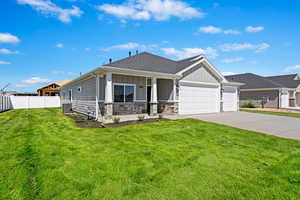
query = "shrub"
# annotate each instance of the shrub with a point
(249, 104)
(141, 118)
(160, 116)
(116, 120)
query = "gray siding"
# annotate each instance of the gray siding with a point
(298, 98)
(164, 89)
(200, 74)
(139, 81)
(258, 95)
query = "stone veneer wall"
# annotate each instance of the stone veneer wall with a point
(129, 108)
(168, 107)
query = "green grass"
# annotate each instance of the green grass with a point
(287, 114)
(44, 156)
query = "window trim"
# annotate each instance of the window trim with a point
(125, 84)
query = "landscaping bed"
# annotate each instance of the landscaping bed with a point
(84, 122)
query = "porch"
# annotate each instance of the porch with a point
(122, 94)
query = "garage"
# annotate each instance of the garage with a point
(197, 98)
(230, 98)
(284, 99)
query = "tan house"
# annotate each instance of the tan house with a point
(52, 89)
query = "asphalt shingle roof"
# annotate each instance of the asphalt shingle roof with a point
(149, 62)
(287, 81)
(253, 81)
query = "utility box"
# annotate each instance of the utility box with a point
(67, 108)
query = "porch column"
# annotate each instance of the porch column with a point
(97, 96)
(153, 103)
(174, 90)
(108, 95)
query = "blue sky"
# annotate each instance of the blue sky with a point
(51, 40)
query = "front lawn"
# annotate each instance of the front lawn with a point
(44, 156)
(286, 114)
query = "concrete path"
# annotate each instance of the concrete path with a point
(287, 127)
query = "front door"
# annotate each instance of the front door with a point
(148, 98)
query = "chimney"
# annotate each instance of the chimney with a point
(129, 53)
(136, 52)
(110, 61)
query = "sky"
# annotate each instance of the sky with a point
(44, 41)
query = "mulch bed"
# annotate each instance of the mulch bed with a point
(84, 122)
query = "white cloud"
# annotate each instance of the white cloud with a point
(147, 9)
(57, 72)
(189, 52)
(4, 63)
(36, 80)
(7, 51)
(254, 29)
(87, 49)
(210, 29)
(244, 46)
(232, 60)
(131, 45)
(60, 45)
(228, 73)
(48, 8)
(216, 30)
(292, 68)
(8, 38)
(20, 86)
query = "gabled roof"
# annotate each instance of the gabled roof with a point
(146, 62)
(288, 81)
(253, 81)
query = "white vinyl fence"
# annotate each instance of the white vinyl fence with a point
(5, 103)
(19, 102)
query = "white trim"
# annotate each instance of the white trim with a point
(108, 88)
(124, 84)
(189, 67)
(154, 90)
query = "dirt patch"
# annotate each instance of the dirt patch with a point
(84, 122)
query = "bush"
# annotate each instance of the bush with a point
(160, 116)
(116, 120)
(249, 104)
(141, 118)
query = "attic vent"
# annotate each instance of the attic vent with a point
(110, 61)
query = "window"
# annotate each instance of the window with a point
(124, 93)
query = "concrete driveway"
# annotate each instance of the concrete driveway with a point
(287, 127)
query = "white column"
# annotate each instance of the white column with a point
(97, 96)
(154, 90)
(108, 88)
(174, 90)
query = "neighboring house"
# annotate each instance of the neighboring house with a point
(146, 83)
(274, 91)
(52, 89)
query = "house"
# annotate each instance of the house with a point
(147, 83)
(52, 89)
(270, 91)
(15, 93)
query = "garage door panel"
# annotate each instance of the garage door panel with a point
(230, 99)
(196, 99)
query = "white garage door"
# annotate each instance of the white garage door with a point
(198, 98)
(230, 98)
(284, 99)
